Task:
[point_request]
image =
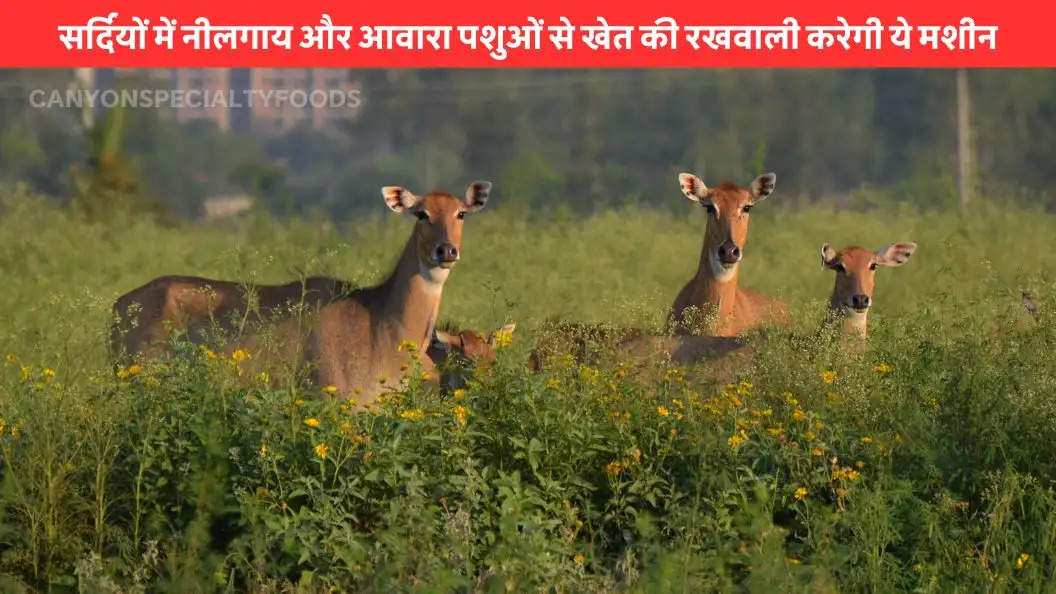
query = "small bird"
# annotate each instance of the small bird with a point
(1030, 304)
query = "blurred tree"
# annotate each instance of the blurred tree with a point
(589, 138)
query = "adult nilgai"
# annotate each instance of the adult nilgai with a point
(714, 287)
(353, 335)
(852, 294)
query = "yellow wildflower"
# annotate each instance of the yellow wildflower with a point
(501, 339)
(828, 376)
(321, 450)
(412, 414)
(789, 399)
(312, 422)
(406, 345)
(11, 358)
(867, 439)
(1021, 561)
(819, 425)
(263, 449)
(817, 452)
(615, 467)
(737, 439)
(860, 464)
(882, 368)
(663, 412)
(810, 435)
(800, 493)
(461, 413)
(579, 558)
(263, 377)
(330, 389)
(799, 415)
(47, 372)
(459, 393)
(794, 561)
(240, 355)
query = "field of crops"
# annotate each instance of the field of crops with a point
(922, 463)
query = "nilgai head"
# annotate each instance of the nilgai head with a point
(438, 232)
(457, 353)
(855, 270)
(727, 228)
(1030, 304)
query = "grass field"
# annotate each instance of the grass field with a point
(924, 463)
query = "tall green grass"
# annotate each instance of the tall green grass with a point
(923, 463)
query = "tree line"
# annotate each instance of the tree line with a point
(569, 139)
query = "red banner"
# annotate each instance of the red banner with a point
(545, 33)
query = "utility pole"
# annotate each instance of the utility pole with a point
(964, 157)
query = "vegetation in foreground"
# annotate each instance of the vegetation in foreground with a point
(924, 463)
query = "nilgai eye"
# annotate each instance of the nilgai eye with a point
(422, 215)
(461, 214)
(747, 207)
(872, 266)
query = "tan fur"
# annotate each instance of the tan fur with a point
(736, 309)
(584, 342)
(353, 336)
(146, 318)
(855, 269)
(458, 354)
(684, 350)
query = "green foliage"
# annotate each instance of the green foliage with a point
(921, 463)
(578, 139)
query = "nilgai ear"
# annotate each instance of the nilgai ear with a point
(442, 340)
(398, 199)
(895, 254)
(692, 186)
(828, 256)
(763, 186)
(477, 195)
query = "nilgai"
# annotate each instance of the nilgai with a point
(347, 338)
(714, 290)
